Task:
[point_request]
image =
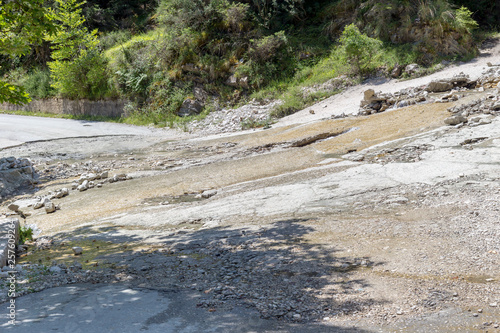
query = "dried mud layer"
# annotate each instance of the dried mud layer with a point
(380, 223)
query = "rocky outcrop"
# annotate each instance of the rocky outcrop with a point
(190, 107)
(15, 174)
(238, 82)
(479, 111)
(459, 81)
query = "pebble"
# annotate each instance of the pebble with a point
(77, 250)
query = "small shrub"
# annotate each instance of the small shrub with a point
(358, 48)
(269, 58)
(464, 19)
(38, 84)
(25, 233)
(84, 77)
(250, 123)
(114, 38)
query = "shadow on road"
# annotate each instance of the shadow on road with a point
(270, 268)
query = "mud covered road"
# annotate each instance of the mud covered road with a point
(380, 223)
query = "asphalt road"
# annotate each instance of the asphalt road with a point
(16, 130)
(117, 308)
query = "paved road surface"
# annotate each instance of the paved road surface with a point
(84, 308)
(15, 130)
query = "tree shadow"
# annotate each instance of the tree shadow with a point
(273, 269)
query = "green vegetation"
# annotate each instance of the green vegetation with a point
(25, 233)
(78, 69)
(159, 53)
(17, 33)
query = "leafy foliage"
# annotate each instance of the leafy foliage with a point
(71, 38)
(433, 27)
(465, 20)
(485, 12)
(357, 47)
(13, 94)
(83, 77)
(25, 233)
(107, 16)
(22, 23)
(79, 70)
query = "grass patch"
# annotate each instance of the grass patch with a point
(62, 253)
(254, 123)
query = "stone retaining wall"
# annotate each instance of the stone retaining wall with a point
(107, 108)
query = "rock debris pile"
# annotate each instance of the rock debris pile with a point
(253, 114)
(480, 111)
(475, 113)
(379, 102)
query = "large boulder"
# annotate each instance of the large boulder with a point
(455, 120)
(15, 174)
(397, 71)
(190, 107)
(439, 86)
(412, 69)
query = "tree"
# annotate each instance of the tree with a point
(78, 68)
(22, 23)
(358, 47)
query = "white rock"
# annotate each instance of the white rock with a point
(84, 186)
(77, 250)
(38, 205)
(49, 207)
(208, 194)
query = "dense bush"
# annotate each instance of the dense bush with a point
(358, 48)
(485, 12)
(78, 69)
(84, 77)
(38, 84)
(132, 15)
(434, 27)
